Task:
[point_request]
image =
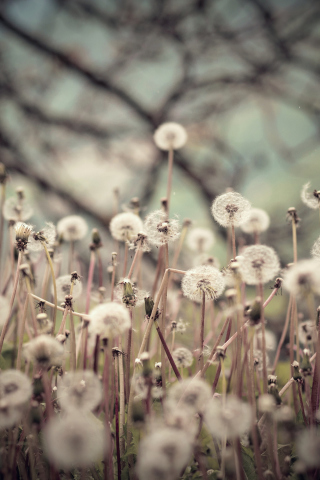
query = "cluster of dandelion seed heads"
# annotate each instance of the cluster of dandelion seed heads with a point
(303, 278)
(72, 228)
(308, 198)
(160, 230)
(258, 264)
(230, 209)
(257, 222)
(64, 285)
(201, 280)
(315, 251)
(170, 135)
(109, 320)
(182, 357)
(200, 239)
(47, 235)
(125, 226)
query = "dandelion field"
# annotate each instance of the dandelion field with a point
(171, 375)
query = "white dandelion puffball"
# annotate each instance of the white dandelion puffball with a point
(307, 332)
(170, 135)
(203, 280)
(125, 226)
(230, 209)
(257, 222)
(309, 198)
(315, 252)
(15, 388)
(230, 420)
(303, 278)
(308, 447)
(258, 264)
(80, 390)
(200, 240)
(4, 309)
(109, 320)
(182, 357)
(192, 395)
(47, 235)
(160, 230)
(271, 340)
(74, 441)
(63, 288)
(72, 228)
(17, 211)
(44, 350)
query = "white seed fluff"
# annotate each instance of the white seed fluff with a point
(15, 388)
(13, 210)
(46, 235)
(192, 395)
(308, 198)
(230, 208)
(258, 264)
(72, 228)
(308, 446)
(160, 230)
(230, 420)
(200, 240)
(315, 252)
(170, 135)
(303, 278)
(257, 222)
(109, 320)
(125, 226)
(182, 357)
(63, 288)
(307, 332)
(44, 350)
(203, 279)
(80, 390)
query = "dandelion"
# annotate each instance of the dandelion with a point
(9, 416)
(17, 210)
(230, 420)
(192, 395)
(258, 264)
(231, 209)
(182, 357)
(315, 251)
(64, 286)
(23, 231)
(109, 320)
(74, 441)
(80, 390)
(72, 228)
(15, 388)
(44, 351)
(312, 200)
(180, 418)
(257, 222)
(206, 259)
(271, 341)
(4, 309)
(200, 239)
(303, 278)
(307, 332)
(125, 226)
(130, 295)
(160, 230)
(181, 326)
(308, 446)
(140, 243)
(47, 235)
(203, 280)
(170, 136)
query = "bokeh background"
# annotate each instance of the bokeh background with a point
(84, 84)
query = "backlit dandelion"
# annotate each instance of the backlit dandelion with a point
(47, 235)
(44, 351)
(193, 395)
(109, 320)
(125, 226)
(231, 208)
(80, 390)
(203, 280)
(170, 135)
(200, 239)
(182, 357)
(315, 251)
(160, 230)
(257, 222)
(311, 199)
(72, 228)
(19, 211)
(259, 264)
(230, 420)
(303, 278)
(64, 286)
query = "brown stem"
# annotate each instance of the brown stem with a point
(283, 335)
(116, 407)
(213, 351)
(128, 356)
(169, 183)
(233, 236)
(125, 261)
(264, 352)
(201, 343)
(167, 351)
(133, 263)
(302, 406)
(90, 278)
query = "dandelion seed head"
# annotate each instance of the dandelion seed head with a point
(303, 278)
(200, 239)
(307, 332)
(74, 441)
(72, 228)
(192, 395)
(315, 251)
(180, 418)
(308, 446)
(4, 309)
(203, 280)
(128, 294)
(16, 210)
(44, 351)
(182, 357)
(230, 208)
(259, 264)
(63, 284)
(125, 226)
(308, 198)
(257, 222)
(270, 338)
(140, 242)
(170, 135)
(160, 230)
(231, 420)
(9, 416)
(109, 320)
(267, 403)
(46, 235)
(181, 326)
(15, 388)
(205, 259)
(80, 390)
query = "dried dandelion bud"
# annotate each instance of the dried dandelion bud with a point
(80, 390)
(312, 200)
(192, 395)
(258, 264)
(306, 367)
(125, 226)
(47, 235)
(296, 372)
(15, 388)
(109, 320)
(72, 228)
(273, 390)
(303, 278)
(63, 288)
(16, 210)
(203, 280)
(23, 231)
(257, 222)
(44, 351)
(315, 251)
(76, 441)
(230, 209)
(160, 230)
(129, 294)
(200, 239)
(140, 243)
(230, 420)
(182, 357)
(307, 332)
(170, 135)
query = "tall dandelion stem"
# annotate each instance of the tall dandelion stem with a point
(201, 345)
(54, 287)
(90, 278)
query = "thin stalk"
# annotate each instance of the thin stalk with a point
(106, 410)
(33, 313)
(116, 388)
(283, 335)
(167, 351)
(316, 382)
(113, 281)
(90, 278)
(96, 355)
(163, 320)
(158, 270)
(100, 268)
(2, 200)
(264, 351)
(71, 254)
(128, 356)
(201, 343)
(63, 321)
(73, 358)
(169, 183)
(233, 237)
(61, 309)
(21, 332)
(122, 409)
(125, 261)
(54, 287)
(294, 388)
(302, 406)
(294, 240)
(133, 263)
(213, 351)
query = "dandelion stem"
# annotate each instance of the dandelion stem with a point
(73, 359)
(264, 352)
(302, 406)
(90, 278)
(169, 183)
(133, 263)
(233, 236)
(201, 346)
(128, 357)
(167, 351)
(3, 196)
(21, 332)
(294, 240)
(100, 268)
(54, 287)
(125, 261)
(116, 407)
(213, 351)
(122, 410)
(283, 336)
(63, 321)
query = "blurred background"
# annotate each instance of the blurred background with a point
(84, 84)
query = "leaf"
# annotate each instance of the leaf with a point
(248, 463)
